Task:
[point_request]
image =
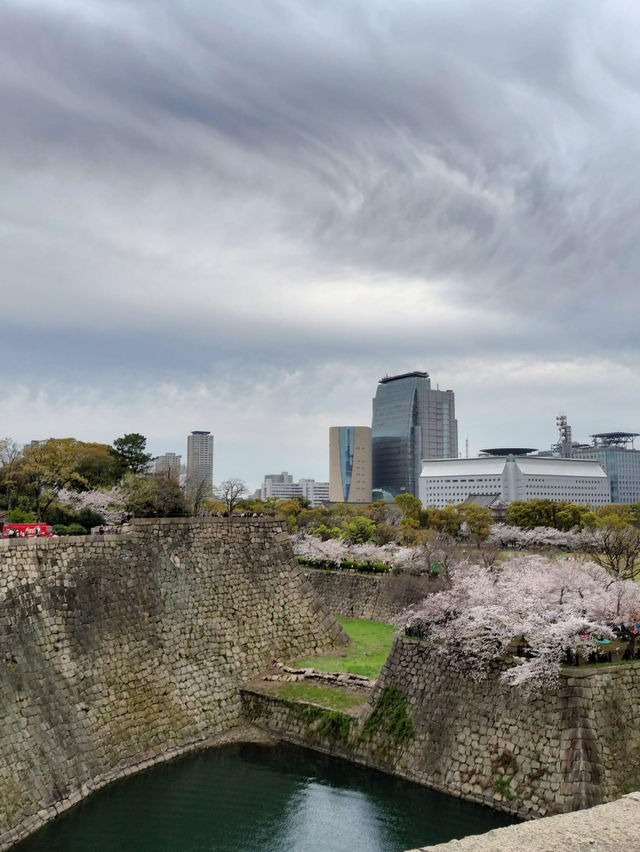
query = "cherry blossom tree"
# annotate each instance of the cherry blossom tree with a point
(552, 607)
(334, 551)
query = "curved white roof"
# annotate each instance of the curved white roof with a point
(528, 465)
(482, 466)
(547, 466)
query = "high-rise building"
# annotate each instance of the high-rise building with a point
(411, 422)
(199, 464)
(350, 464)
(169, 464)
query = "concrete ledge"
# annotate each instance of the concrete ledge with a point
(614, 827)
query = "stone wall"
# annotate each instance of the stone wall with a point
(120, 651)
(371, 596)
(535, 754)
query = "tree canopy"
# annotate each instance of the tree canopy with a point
(130, 450)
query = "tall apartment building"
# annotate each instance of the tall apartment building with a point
(350, 471)
(199, 463)
(169, 464)
(411, 422)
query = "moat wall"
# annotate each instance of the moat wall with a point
(551, 751)
(119, 651)
(371, 596)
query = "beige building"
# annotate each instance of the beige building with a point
(169, 464)
(350, 464)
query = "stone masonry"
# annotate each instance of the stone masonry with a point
(117, 652)
(532, 754)
(371, 596)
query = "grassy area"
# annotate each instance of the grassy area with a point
(365, 656)
(334, 698)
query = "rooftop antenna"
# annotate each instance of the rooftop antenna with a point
(564, 436)
(466, 448)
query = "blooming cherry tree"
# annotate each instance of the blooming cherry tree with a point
(552, 607)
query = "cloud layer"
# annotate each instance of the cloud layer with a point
(240, 218)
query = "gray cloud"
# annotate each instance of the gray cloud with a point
(194, 189)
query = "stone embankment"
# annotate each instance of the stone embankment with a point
(371, 596)
(117, 652)
(528, 753)
(614, 827)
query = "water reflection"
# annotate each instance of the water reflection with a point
(252, 798)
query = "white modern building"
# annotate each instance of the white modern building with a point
(316, 493)
(513, 477)
(282, 486)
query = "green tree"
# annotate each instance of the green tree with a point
(322, 531)
(130, 450)
(385, 533)
(290, 509)
(615, 515)
(477, 519)
(571, 516)
(9, 458)
(359, 530)
(528, 514)
(47, 466)
(155, 496)
(19, 516)
(410, 505)
(446, 520)
(98, 465)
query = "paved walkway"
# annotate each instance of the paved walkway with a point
(614, 827)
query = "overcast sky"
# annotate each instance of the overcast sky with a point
(238, 216)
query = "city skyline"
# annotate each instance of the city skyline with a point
(243, 216)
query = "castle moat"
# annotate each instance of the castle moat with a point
(261, 798)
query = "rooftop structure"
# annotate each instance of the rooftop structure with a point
(507, 451)
(614, 439)
(614, 451)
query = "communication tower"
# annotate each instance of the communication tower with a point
(564, 445)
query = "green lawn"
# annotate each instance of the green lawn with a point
(334, 698)
(365, 656)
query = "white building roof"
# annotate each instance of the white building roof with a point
(547, 466)
(482, 466)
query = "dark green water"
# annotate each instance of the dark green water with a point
(252, 798)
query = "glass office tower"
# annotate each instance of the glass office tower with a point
(411, 422)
